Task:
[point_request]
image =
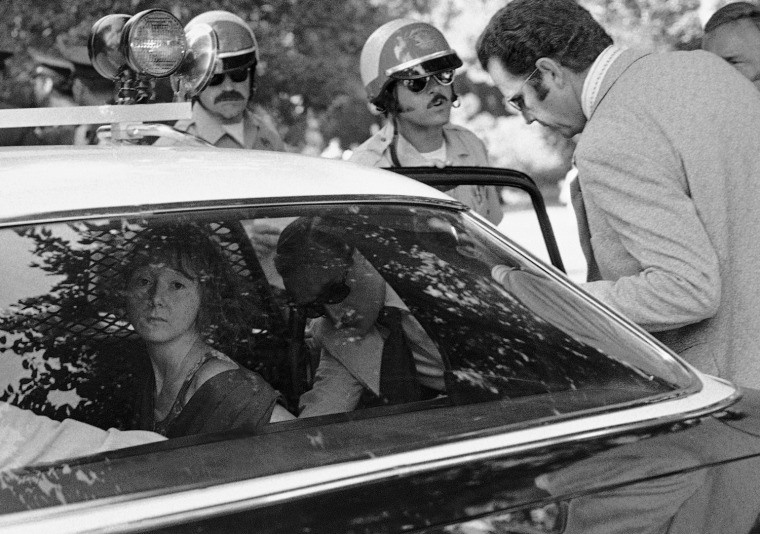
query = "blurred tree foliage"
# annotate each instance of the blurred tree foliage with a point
(657, 24)
(309, 48)
(309, 76)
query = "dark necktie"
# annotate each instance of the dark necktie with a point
(398, 375)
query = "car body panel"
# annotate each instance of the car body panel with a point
(130, 176)
(329, 457)
(402, 498)
(394, 470)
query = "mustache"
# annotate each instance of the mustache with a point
(437, 99)
(228, 96)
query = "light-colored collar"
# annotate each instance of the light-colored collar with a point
(596, 73)
(236, 131)
(392, 298)
(208, 127)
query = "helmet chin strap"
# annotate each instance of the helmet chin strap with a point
(394, 143)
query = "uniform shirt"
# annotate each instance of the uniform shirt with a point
(256, 134)
(462, 148)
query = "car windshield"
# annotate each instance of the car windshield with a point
(498, 325)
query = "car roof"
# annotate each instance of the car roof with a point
(63, 179)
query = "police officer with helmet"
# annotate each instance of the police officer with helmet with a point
(407, 68)
(221, 112)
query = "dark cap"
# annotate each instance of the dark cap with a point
(77, 55)
(50, 65)
(73, 49)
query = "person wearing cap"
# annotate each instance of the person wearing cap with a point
(14, 136)
(88, 88)
(221, 112)
(52, 80)
(668, 165)
(52, 89)
(733, 32)
(373, 352)
(407, 68)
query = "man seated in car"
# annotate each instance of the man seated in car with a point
(365, 360)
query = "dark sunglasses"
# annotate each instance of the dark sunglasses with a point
(417, 85)
(237, 76)
(332, 294)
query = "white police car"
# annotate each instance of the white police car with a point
(545, 411)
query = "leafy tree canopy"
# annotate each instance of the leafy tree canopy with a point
(309, 49)
(309, 77)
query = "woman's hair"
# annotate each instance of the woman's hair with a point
(524, 31)
(190, 250)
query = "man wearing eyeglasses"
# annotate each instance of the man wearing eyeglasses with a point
(221, 112)
(373, 352)
(668, 165)
(408, 70)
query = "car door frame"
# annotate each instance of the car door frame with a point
(448, 177)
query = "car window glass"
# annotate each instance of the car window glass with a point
(510, 332)
(520, 222)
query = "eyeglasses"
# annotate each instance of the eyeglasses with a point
(334, 293)
(237, 76)
(417, 85)
(517, 101)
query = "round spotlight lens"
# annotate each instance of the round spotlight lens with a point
(155, 43)
(198, 67)
(103, 46)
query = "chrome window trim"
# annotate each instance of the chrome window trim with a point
(144, 511)
(227, 204)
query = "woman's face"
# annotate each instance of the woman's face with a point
(162, 303)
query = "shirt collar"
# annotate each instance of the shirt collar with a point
(392, 298)
(593, 82)
(456, 151)
(208, 127)
(236, 131)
